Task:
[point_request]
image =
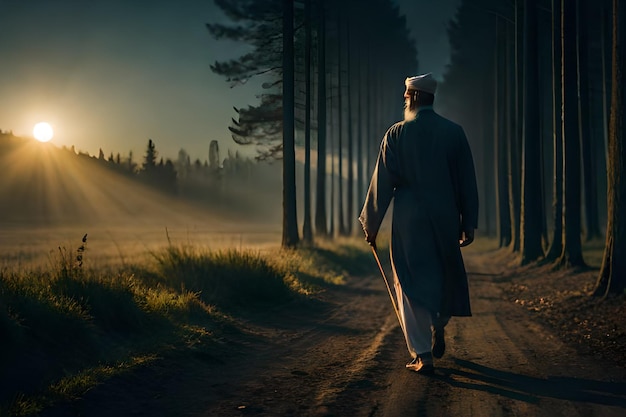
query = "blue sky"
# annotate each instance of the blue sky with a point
(111, 74)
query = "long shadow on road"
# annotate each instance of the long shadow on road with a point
(530, 389)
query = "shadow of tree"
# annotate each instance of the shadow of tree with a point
(473, 376)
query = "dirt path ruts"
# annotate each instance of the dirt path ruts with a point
(501, 363)
(348, 360)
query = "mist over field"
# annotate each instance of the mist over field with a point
(51, 196)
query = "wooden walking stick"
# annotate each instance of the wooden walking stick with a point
(382, 271)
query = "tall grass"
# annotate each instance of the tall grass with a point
(66, 328)
(230, 279)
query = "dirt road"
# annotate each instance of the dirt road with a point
(347, 359)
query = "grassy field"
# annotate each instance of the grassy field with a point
(73, 322)
(68, 326)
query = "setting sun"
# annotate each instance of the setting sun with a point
(43, 132)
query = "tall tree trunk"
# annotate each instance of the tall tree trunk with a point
(612, 278)
(602, 86)
(556, 245)
(531, 211)
(361, 121)
(350, 176)
(546, 122)
(340, 52)
(290, 218)
(572, 247)
(489, 138)
(606, 76)
(371, 111)
(592, 227)
(307, 228)
(331, 230)
(515, 136)
(502, 184)
(321, 228)
(599, 118)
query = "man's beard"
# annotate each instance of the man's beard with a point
(409, 113)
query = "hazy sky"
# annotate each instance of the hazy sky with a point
(428, 20)
(111, 74)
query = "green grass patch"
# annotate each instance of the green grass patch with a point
(230, 279)
(67, 328)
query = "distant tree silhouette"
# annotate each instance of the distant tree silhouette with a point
(166, 176)
(161, 175)
(183, 164)
(214, 156)
(150, 158)
(131, 166)
(197, 166)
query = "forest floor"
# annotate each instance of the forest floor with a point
(537, 345)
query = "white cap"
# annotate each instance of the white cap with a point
(424, 82)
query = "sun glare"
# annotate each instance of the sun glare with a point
(43, 132)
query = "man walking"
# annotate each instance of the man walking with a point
(425, 165)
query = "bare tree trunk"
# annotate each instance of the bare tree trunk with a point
(592, 226)
(531, 210)
(612, 278)
(556, 245)
(501, 145)
(360, 176)
(572, 249)
(488, 148)
(371, 111)
(545, 87)
(605, 76)
(290, 217)
(321, 228)
(340, 217)
(331, 148)
(350, 178)
(514, 139)
(307, 228)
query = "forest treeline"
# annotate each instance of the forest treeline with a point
(48, 184)
(177, 177)
(183, 176)
(537, 85)
(546, 125)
